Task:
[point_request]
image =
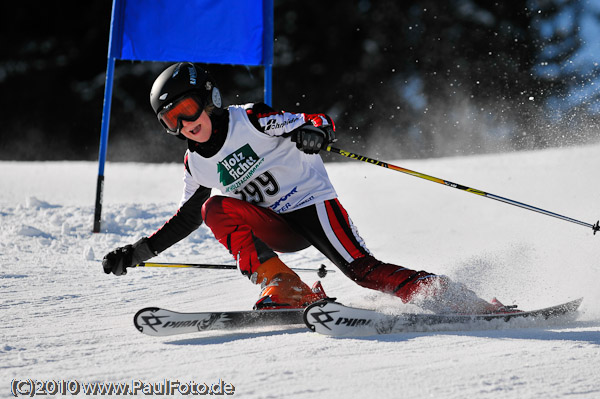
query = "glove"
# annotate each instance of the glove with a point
(117, 261)
(310, 139)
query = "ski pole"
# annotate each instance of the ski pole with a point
(348, 154)
(321, 271)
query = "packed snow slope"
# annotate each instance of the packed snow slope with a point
(64, 319)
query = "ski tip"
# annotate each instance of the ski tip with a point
(574, 304)
(577, 302)
(569, 307)
(318, 304)
(139, 314)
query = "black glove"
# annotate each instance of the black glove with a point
(310, 139)
(117, 261)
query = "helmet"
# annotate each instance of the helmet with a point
(178, 82)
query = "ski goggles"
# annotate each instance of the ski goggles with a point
(188, 108)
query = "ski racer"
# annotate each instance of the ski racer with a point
(275, 197)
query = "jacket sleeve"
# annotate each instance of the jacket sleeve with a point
(187, 218)
(280, 123)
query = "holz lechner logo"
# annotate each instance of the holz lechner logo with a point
(240, 163)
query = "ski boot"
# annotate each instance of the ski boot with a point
(282, 288)
(498, 308)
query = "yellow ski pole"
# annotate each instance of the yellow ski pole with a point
(348, 154)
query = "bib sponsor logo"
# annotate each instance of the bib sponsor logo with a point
(272, 124)
(284, 198)
(238, 167)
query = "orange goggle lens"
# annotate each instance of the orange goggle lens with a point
(187, 108)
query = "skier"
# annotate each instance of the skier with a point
(276, 196)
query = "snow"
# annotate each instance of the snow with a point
(64, 319)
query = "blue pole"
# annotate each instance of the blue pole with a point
(268, 21)
(110, 68)
(114, 42)
(268, 84)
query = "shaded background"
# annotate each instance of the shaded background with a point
(402, 79)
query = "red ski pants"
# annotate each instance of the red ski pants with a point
(252, 234)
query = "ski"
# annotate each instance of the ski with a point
(162, 322)
(332, 318)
